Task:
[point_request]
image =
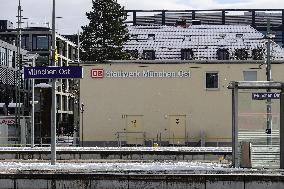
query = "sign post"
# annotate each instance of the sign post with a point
(53, 72)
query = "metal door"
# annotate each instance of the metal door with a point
(177, 129)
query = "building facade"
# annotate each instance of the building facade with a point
(38, 40)
(14, 96)
(174, 91)
(169, 102)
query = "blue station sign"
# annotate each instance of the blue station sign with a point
(53, 72)
(265, 96)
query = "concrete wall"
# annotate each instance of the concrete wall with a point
(109, 102)
(138, 181)
(116, 155)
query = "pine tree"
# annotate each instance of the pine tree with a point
(106, 33)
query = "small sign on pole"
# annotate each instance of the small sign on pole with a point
(265, 96)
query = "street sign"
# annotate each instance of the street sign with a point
(55, 72)
(265, 96)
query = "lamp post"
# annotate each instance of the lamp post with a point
(269, 37)
(53, 106)
(25, 18)
(18, 75)
(82, 112)
(33, 110)
(57, 27)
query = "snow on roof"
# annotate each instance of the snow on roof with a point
(203, 40)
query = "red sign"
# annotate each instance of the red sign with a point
(7, 121)
(97, 73)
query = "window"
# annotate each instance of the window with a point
(64, 49)
(212, 80)
(25, 41)
(223, 54)
(151, 36)
(257, 54)
(58, 102)
(4, 56)
(43, 60)
(10, 58)
(250, 75)
(239, 35)
(70, 53)
(133, 54)
(40, 42)
(241, 54)
(71, 104)
(134, 36)
(64, 103)
(186, 54)
(181, 23)
(14, 59)
(149, 54)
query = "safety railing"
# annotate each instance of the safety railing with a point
(123, 140)
(39, 141)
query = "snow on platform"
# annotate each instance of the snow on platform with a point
(132, 149)
(129, 168)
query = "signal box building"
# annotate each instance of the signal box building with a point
(174, 91)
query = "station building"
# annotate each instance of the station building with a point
(175, 103)
(174, 91)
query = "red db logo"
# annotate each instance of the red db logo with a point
(97, 73)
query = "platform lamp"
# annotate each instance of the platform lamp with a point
(25, 18)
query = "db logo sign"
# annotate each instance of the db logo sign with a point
(97, 73)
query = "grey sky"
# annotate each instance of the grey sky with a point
(73, 11)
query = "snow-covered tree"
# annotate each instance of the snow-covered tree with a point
(104, 36)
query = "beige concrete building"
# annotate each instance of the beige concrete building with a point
(168, 102)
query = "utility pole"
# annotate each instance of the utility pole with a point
(53, 106)
(33, 107)
(19, 66)
(268, 77)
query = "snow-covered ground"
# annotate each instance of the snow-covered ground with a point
(130, 168)
(158, 167)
